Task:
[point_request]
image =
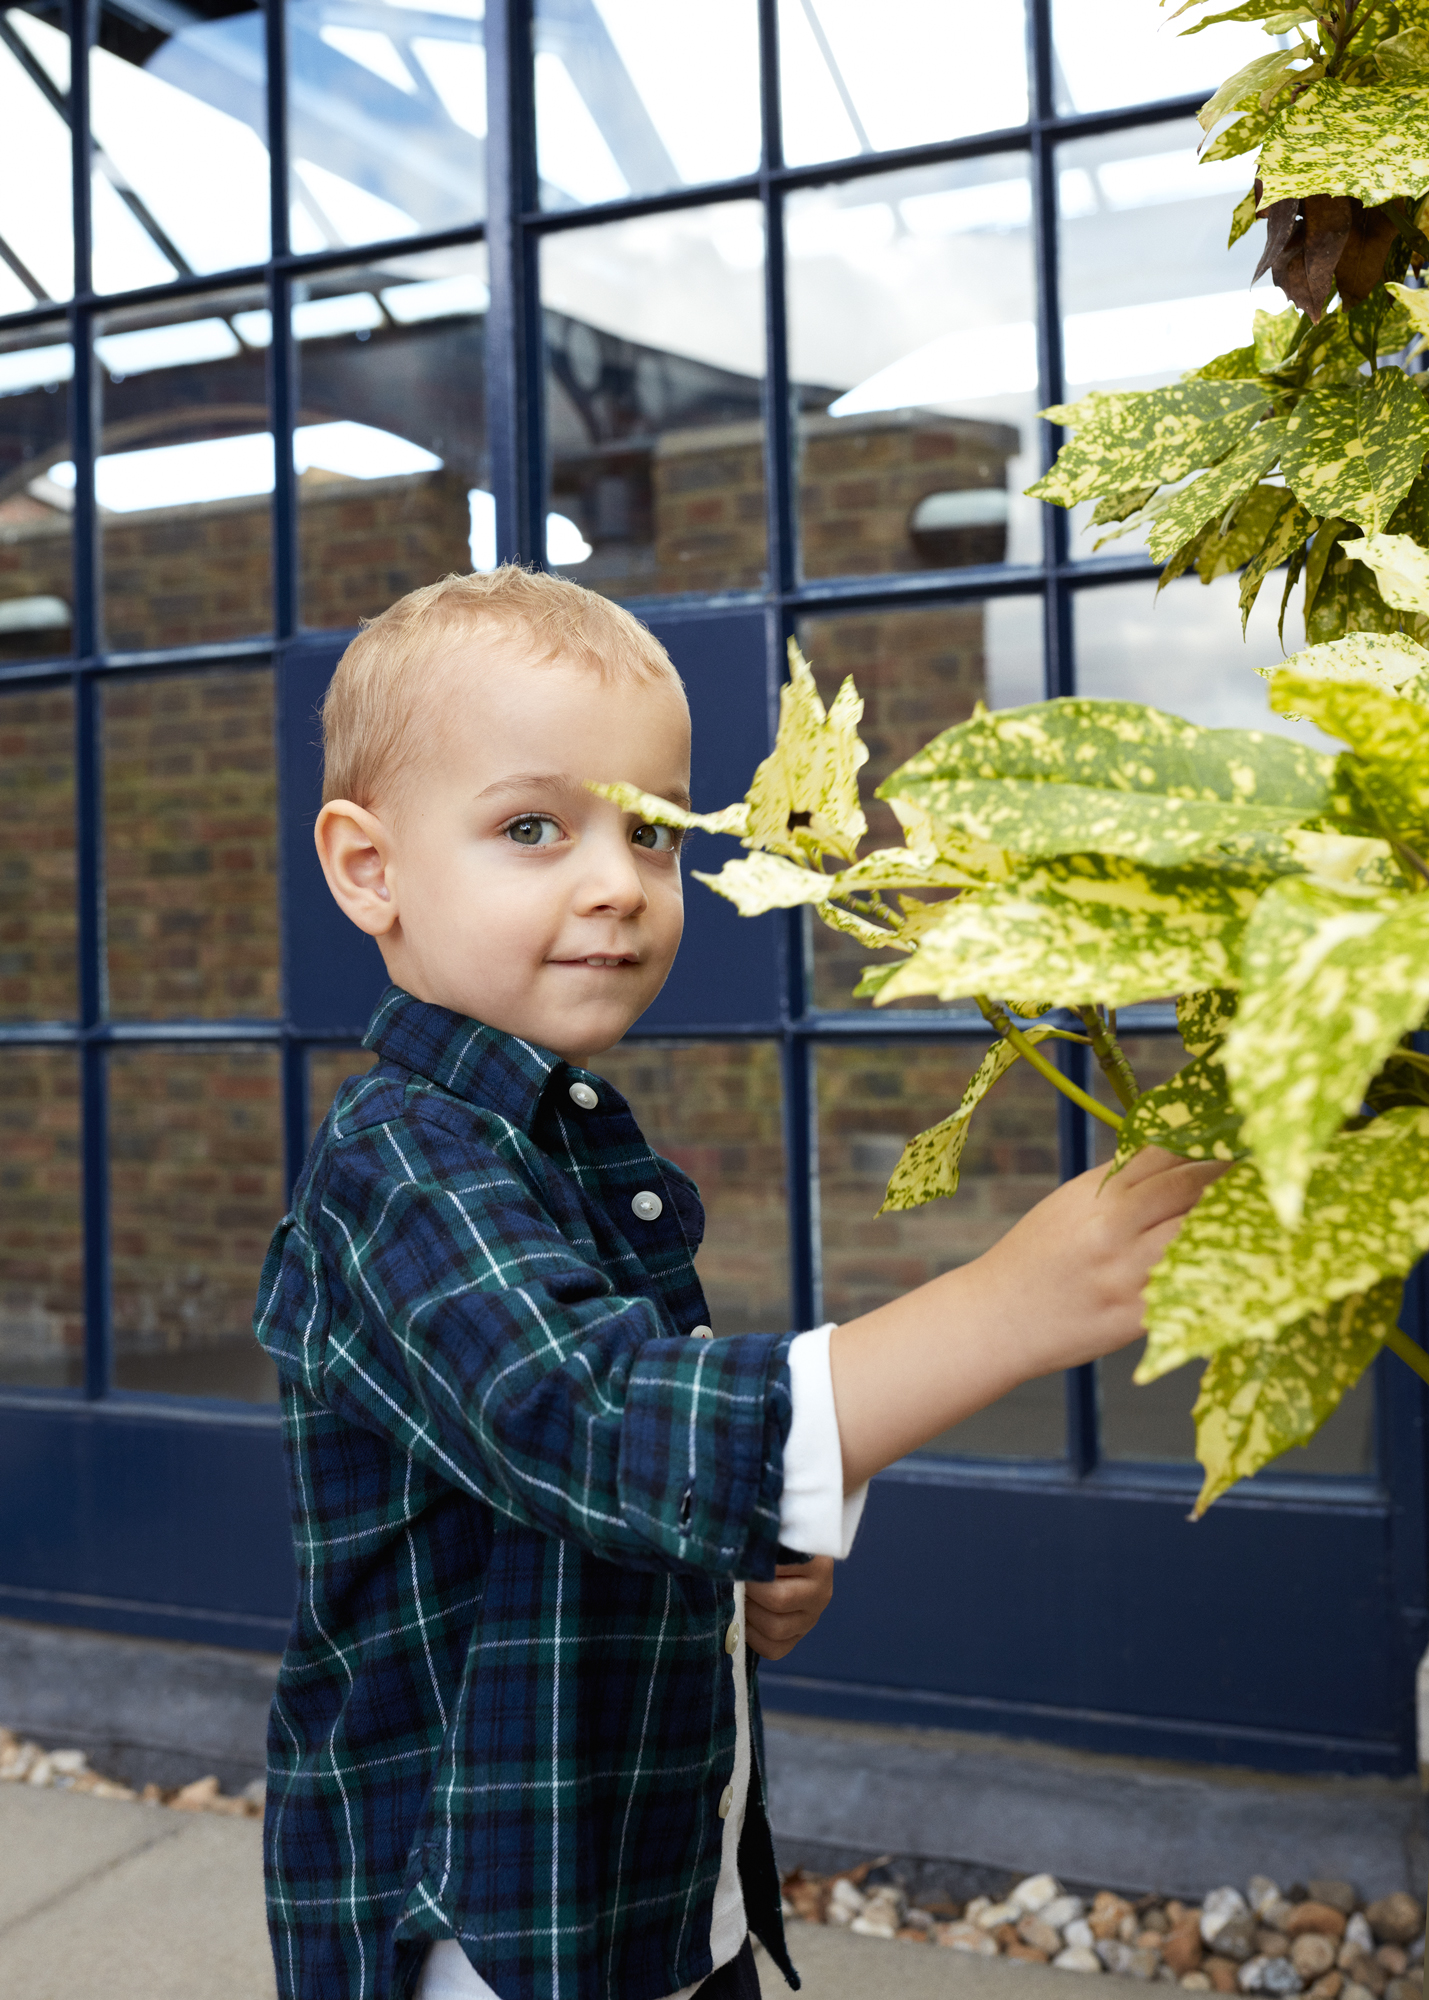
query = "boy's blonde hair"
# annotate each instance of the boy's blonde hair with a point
(381, 693)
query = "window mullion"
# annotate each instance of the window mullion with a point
(514, 350)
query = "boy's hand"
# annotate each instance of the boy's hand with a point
(778, 1614)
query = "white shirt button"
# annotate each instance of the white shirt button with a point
(701, 1333)
(648, 1206)
(584, 1096)
(731, 1637)
(726, 1801)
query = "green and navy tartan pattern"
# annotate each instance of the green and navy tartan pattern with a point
(520, 1493)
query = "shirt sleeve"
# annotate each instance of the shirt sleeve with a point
(816, 1516)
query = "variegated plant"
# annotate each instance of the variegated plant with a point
(1099, 853)
(1338, 123)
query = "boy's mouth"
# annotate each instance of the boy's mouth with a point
(596, 960)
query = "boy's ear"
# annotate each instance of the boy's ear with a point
(355, 848)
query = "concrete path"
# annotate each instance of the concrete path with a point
(101, 1900)
(835, 1965)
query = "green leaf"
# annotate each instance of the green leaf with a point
(1389, 732)
(1355, 448)
(1210, 496)
(1276, 334)
(1338, 138)
(1146, 436)
(1251, 10)
(1118, 746)
(1260, 1397)
(1401, 568)
(1404, 58)
(1093, 929)
(811, 775)
(930, 1163)
(759, 882)
(1202, 1018)
(1415, 301)
(660, 812)
(1239, 365)
(1248, 130)
(1262, 74)
(1234, 1273)
(1242, 218)
(1287, 533)
(1249, 529)
(1387, 659)
(1332, 977)
(1190, 1114)
(1117, 506)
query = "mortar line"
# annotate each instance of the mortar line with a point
(50, 1903)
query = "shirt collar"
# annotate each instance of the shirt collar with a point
(481, 1065)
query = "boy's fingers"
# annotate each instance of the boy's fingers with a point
(1174, 1192)
(1142, 1165)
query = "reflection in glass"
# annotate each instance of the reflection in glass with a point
(714, 1108)
(1109, 52)
(911, 334)
(328, 1070)
(1153, 1421)
(919, 672)
(36, 582)
(41, 1246)
(196, 1190)
(1149, 288)
(190, 853)
(185, 472)
(637, 96)
(390, 447)
(872, 1100)
(654, 371)
(38, 978)
(855, 79)
(36, 225)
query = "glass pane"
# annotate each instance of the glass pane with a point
(1153, 1421)
(196, 1191)
(636, 96)
(36, 581)
(38, 975)
(1183, 651)
(41, 1246)
(715, 1109)
(36, 237)
(1149, 288)
(855, 79)
(180, 133)
(185, 474)
(872, 1101)
(327, 1070)
(387, 119)
(912, 342)
(1110, 52)
(391, 448)
(190, 850)
(919, 672)
(654, 372)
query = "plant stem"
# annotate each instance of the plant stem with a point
(1408, 1351)
(1002, 1021)
(1115, 1066)
(1404, 852)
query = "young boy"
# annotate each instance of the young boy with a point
(515, 1747)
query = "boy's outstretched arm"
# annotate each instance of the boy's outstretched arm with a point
(1062, 1287)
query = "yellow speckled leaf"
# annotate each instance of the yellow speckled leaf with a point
(1190, 1114)
(1331, 978)
(1401, 569)
(905, 868)
(1288, 530)
(804, 797)
(1387, 659)
(930, 1163)
(1092, 929)
(760, 882)
(660, 812)
(1353, 449)
(1148, 436)
(1203, 1018)
(1262, 74)
(1209, 497)
(1341, 139)
(1389, 733)
(1260, 1397)
(1235, 1273)
(1250, 528)
(1415, 303)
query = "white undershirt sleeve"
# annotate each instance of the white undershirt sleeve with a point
(816, 1516)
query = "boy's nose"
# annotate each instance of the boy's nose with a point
(613, 885)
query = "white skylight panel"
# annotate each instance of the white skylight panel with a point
(34, 181)
(28, 368)
(178, 346)
(350, 312)
(125, 254)
(374, 50)
(457, 73)
(571, 150)
(436, 298)
(356, 215)
(696, 72)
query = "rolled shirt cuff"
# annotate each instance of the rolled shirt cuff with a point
(816, 1516)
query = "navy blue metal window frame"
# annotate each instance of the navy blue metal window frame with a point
(512, 231)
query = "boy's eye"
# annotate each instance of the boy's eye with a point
(534, 830)
(659, 839)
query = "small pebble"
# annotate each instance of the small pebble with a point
(1195, 1982)
(1218, 1909)
(1077, 1958)
(1339, 1895)
(967, 1937)
(1034, 1891)
(1396, 1919)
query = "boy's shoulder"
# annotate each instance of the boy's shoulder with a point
(388, 1096)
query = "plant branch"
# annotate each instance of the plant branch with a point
(1115, 1066)
(1404, 852)
(1408, 1351)
(1002, 1021)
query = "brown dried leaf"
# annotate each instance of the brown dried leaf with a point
(1362, 260)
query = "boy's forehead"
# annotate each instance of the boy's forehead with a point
(499, 708)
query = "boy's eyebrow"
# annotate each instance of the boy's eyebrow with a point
(561, 781)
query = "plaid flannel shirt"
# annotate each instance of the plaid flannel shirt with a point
(520, 1493)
